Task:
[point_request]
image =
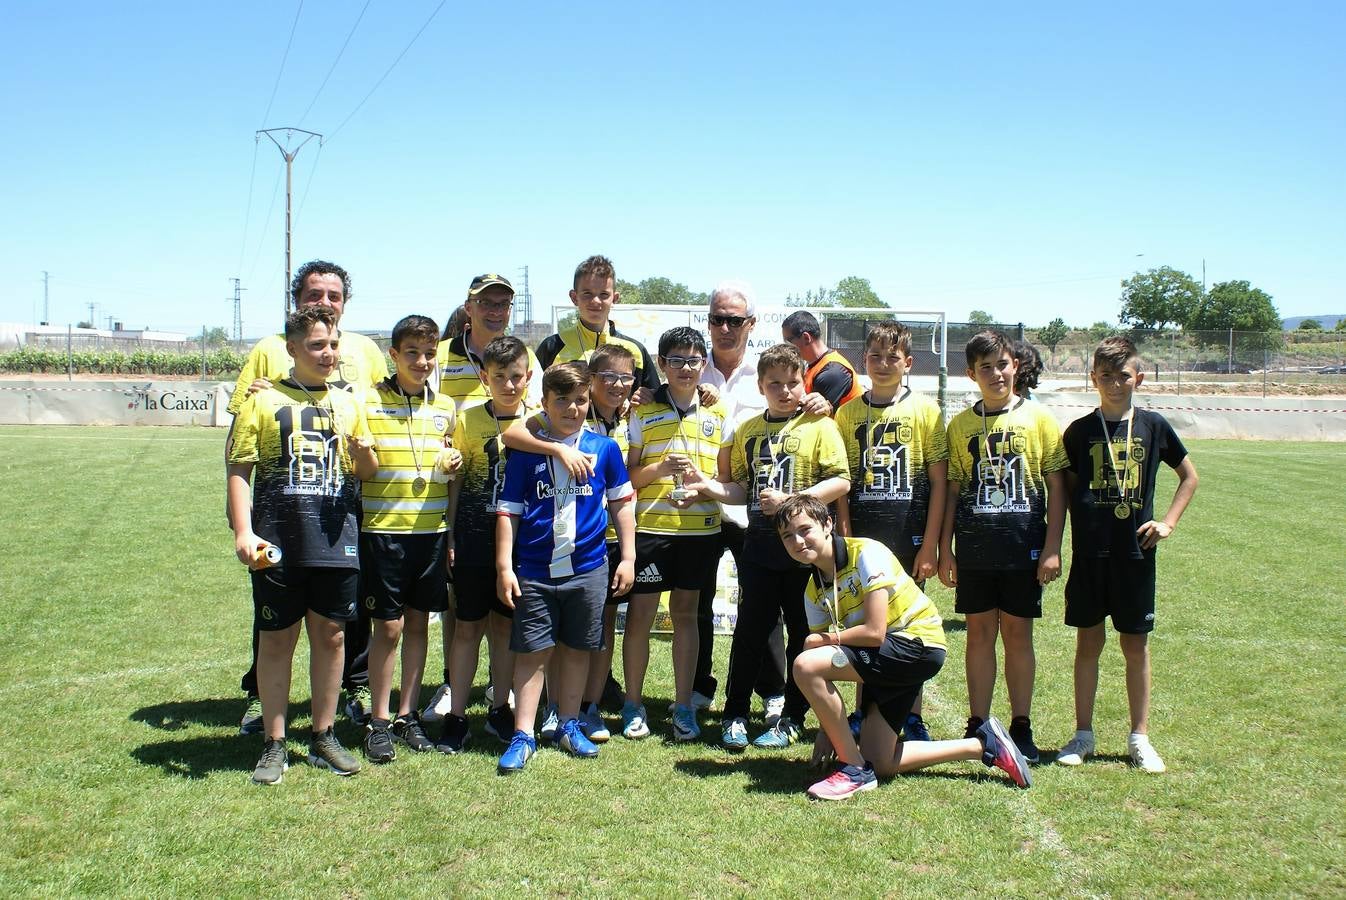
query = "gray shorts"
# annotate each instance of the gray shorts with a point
(568, 610)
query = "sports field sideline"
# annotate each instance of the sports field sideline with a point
(127, 621)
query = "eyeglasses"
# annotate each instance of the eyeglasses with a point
(684, 362)
(616, 379)
(732, 321)
(494, 305)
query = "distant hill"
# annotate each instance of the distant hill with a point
(1328, 321)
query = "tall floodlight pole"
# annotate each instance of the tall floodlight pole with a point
(289, 155)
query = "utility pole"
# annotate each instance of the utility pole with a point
(523, 311)
(92, 323)
(289, 156)
(46, 302)
(238, 314)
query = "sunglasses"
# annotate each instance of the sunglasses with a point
(731, 321)
(684, 362)
(616, 379)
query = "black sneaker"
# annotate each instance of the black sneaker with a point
(271, 767)
(1021, 732)
(326, 752)
(379, 742)
(500, 722)
(454, 736)
(408, 730)
(612, 699)
(973, 724)
(251, 723)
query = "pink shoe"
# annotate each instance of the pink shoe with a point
(846, 780)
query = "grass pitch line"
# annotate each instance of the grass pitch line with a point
(103, 438)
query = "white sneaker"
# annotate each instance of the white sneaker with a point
(701, 701)
(774, 708)
(440, 705)
(1077, 749)
(1143, 755)
(550, 722)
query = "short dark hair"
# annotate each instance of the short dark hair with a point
(415, 328)
(607, 354)
(595, 265)
(802, 322)
(301, 321)
(779, 356)
(1029, 362)
(987, 343)
(889, 334)
(795, 504)
(320, 267)
(682, 336)
(563, 378)
(503, 351)
(1117, 351)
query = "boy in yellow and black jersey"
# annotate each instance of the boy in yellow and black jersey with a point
(307, 442)
(1001, 537)
(780, 453)
(870, 624)
(473, 497)
(899, 463)
(403, 540)
(594, 293)
(677, 530)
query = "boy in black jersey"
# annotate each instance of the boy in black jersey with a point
(1114, 454)
(308, 442)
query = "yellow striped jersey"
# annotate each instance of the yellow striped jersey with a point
(865, 566)
(575, 341)
(305, 498)
(659, 428)
(458, 378)
(477, 437)
(890, 448)
(790, 455)
(1000, 462)
(409, 432)
(361, 363)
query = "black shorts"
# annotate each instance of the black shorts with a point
(1015, 591)
(1112, 586)
(666, 562)
(474, 593)
(893, 674)
(560, 610)
(282, 594)
(615, 557)
(400, 570)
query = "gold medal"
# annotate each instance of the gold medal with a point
(869, 479)
(418, 485)
(1122, 511)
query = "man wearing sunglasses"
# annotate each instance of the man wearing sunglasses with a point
(733, 371)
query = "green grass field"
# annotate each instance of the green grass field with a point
(126, 622)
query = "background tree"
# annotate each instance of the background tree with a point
(1159, 297)
(1053, 333)
(1341, 324)
(630, 293)
(854, 292)
(1100, 330)
(980, 317)
(217, 337)
(659, 290)
(821, 298)
(1239, 306)
(1311, 325)
(83, 324)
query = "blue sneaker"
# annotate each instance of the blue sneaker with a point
(915, 729)
(685, 727)
(634, 726)
(781, 735)
(855, 720)
(571, 739)
(516, 755)
(592, 724)
(734, 736)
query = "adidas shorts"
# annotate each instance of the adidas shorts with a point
(666, 562)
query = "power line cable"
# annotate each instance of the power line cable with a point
(247, 211)
(261, 240)
(334, 62)
(293, 27)
(413, 40)
(308, 184)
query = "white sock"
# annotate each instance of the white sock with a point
(1137, 739)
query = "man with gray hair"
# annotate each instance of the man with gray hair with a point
(733, 371)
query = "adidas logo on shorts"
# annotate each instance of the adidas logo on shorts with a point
(648, 575)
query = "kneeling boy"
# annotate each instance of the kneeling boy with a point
(870, 624)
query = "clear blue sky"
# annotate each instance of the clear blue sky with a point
(1010, 158)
